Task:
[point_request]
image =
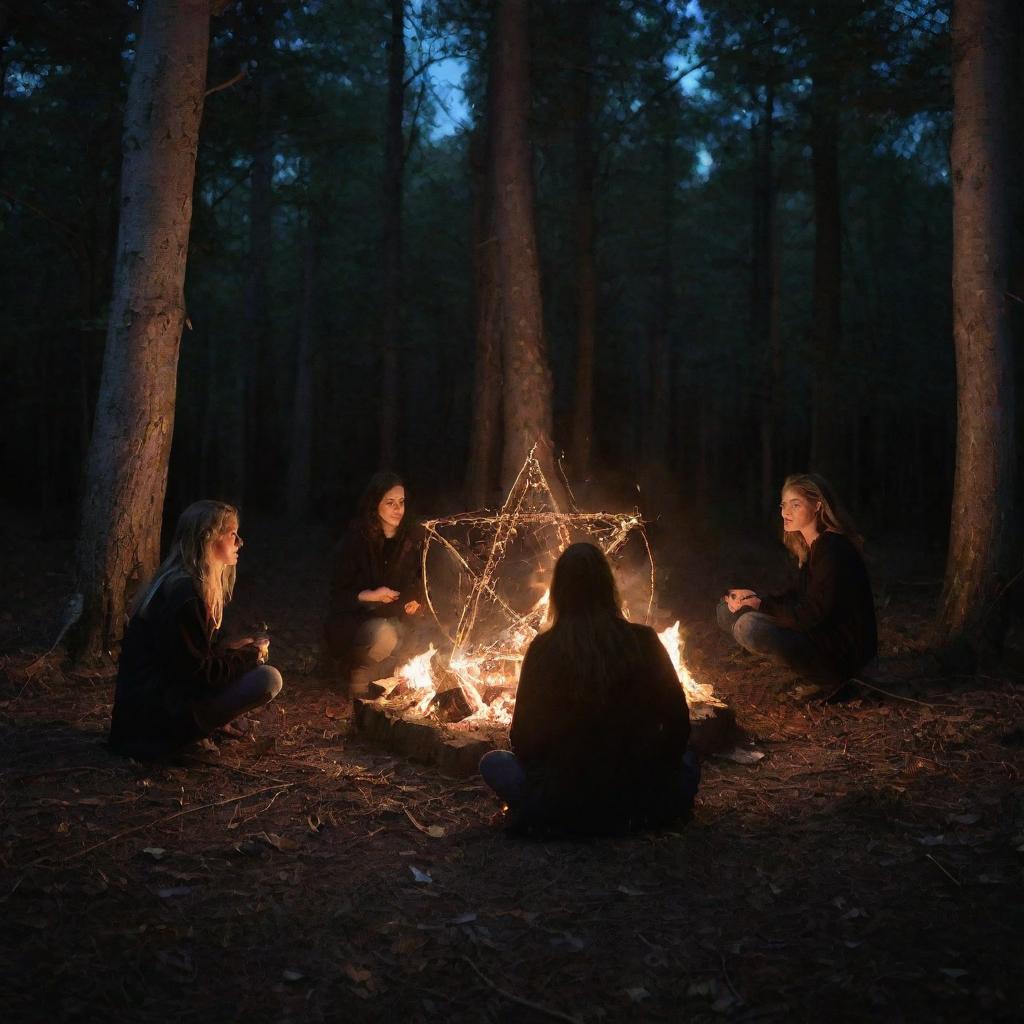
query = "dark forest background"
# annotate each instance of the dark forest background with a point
(735, 339)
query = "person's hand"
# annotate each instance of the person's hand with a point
(412, 607)
(262, 645)
(737, 599)
(382, 595)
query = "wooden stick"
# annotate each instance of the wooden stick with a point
(955, 881)
(163, 821)
(539, 1007)
(226, 85)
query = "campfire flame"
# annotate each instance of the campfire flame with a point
(487, 671)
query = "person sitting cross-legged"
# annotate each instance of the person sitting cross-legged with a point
(600, 728)
(822, 628)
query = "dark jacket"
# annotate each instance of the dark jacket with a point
(832, 603)
(360, 564)
(601, 766)
(170, 658)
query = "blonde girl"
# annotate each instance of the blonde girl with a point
(176, 682)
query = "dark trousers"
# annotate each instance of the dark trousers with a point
(761, 634)
(504, 773)
(257, 687)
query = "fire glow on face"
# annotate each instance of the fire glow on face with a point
(489, 636)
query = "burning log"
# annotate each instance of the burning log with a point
(450, 703)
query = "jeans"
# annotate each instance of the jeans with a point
(257, 687)
(761, 634)
(504, 773)
(375, 643)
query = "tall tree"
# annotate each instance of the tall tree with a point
(982, 154)
(586, 276)
(826, 318)
(485, 425)
(391, 239)
(527, 376)
(126, 471)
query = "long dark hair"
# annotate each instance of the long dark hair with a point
(590, 638)
(369, 519)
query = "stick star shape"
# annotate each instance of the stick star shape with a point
(530, 504)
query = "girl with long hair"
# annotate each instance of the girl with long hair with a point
(376, 586)
(176, 683)
(601, 725)
(824, 626)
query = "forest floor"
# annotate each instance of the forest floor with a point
(869, 867)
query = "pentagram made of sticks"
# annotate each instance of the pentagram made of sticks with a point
(529, 506)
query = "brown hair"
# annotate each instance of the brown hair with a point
(592, 640)
(830, 516)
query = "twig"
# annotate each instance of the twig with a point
(955, 881)
(539, 1007)
(896, 696)
(728, 980)
(226, 85)
(163, 821)
(54, 771)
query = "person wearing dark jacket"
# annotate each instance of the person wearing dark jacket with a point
(823, 627)
(600, 727)
(175, 682)
(376, 586)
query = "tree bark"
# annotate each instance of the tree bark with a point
(126, 474)
(391, 239)
(586, 289)
(485, 430)
(981, 157)
(826, 315)
(659, 421)
(297, 500)
(527, 377)
(764, 299)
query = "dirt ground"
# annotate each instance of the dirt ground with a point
(869, 867)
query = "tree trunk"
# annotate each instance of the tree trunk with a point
(485, 431)
(297, 500)
(527, 377)
(391, 239)
(981, 157)
(586, 292)
(126, 474)
(825, 316)
(764, 300)
(659, 423)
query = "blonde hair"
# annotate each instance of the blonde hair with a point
(830, 516)
(199, 527)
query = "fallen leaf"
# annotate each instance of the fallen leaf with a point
(952, 972)
(964, 819)
(467, 918)
(292, 975)
(932, 840)
(738, 755)
(420, 876)
(154, 851)
(629, 891)
(638, 994)
(174, 890)
(360, 975)
(281, 843)
(435, 831)
(330, 712)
